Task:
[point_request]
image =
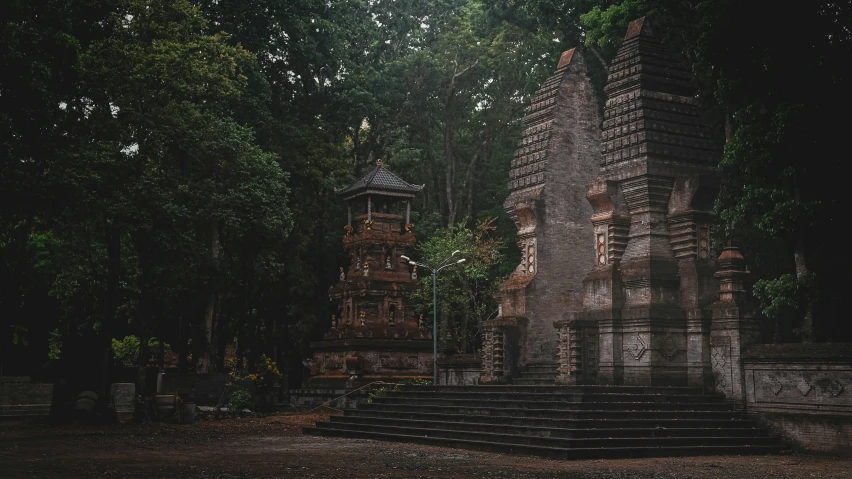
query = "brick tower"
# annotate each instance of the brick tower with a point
(555, 160)
(652, 282)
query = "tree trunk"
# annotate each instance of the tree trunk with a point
(206, 360)
(807, 328)
(729, 126)
(109, 319)
(181, 347)
(449, 173)
(142, 362)
(777, 334)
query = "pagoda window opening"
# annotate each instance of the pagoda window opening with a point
(392, 315)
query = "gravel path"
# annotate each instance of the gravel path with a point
(274, 447)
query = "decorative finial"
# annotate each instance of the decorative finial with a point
(639, 27)
(565, 59)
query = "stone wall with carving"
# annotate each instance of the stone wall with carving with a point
(459, 370)
(804, 392)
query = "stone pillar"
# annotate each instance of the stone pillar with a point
(602, 287)
(500, 348)
(577, 351)
(733, 326)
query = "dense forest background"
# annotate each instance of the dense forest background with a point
(168, 166)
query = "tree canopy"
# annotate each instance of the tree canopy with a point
(168, 167)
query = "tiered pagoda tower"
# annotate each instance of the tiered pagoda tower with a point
(653, 278)
(375, 333)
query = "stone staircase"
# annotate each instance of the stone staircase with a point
(564, 422)
(536, 374)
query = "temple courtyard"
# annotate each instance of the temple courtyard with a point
(275, 447)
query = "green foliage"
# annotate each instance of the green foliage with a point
(605, 26)
(126, 350)
(783, 294)
(267, 375)
(465, 291)
(240, 399)
(132, 130)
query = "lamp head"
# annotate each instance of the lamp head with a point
(461, 261)
(405, 258)
(412, 263)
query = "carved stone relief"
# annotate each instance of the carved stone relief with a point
(720, 358)
(636, 347)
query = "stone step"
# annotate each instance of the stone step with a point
(561, 442)
(485, 409)
(4, 380)
(532, 382)
(543, 422)
(706, 430)
(555, 405)
(557, 452)
(558, 421)
(24, 410)
(542, 376)
(565, 397)
(561, 389)
(542, 367)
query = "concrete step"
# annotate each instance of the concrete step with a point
(556, 452)
(532, 382)
(561, 389)
(558, 421)
(525, 430)
(560, 442)
(4, 380)
(564, 397)
(486, 409)
(543, 367)
(538, 375)
(544, 422)
(556, 405)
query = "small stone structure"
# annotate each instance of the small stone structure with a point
(554, 161)
(19, 397)
(374, 333)
(459, 369)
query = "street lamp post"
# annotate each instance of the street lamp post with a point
(435, 270)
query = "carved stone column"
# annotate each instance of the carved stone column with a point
(577, 351)
(500, 343)
(733, 326)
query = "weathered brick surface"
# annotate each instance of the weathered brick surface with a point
(804, 392)
(19, 390)
(555, 160)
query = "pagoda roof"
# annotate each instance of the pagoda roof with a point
(379, 181)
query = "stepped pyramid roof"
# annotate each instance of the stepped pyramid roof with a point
(379, 181)
(653, 109)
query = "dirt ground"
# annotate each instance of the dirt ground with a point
(274, 447)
